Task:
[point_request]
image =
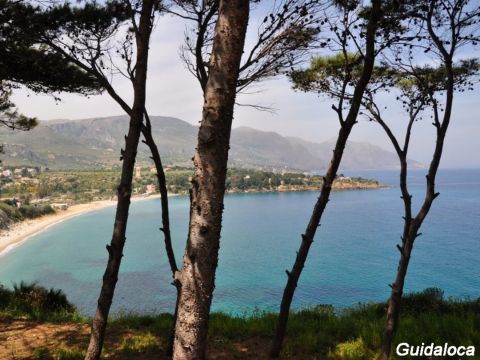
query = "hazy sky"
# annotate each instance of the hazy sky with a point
(172, 91)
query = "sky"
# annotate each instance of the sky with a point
(173, 91)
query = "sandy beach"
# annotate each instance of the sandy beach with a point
(20, 232)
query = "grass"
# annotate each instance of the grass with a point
(61, 353)
(349, 334)
(140, 344)
(321, 332)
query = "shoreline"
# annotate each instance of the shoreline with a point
(22, 231)
(287, 189)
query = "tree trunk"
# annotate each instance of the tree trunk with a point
(307, 238)
(411, 232)
(412, 226)
(162, 185)
(115, 249)
(197, 276)
(405, 252)
(395, 299)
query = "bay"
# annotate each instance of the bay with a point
(353, 258)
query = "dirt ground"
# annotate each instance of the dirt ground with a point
(26, 339)
(19, 338)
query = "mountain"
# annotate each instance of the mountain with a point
(93, 143)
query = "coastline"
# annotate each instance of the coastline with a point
(292, 189)
(20, 232)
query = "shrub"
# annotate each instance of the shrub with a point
(31, 212)
(430, 299)
(38, 297)
(34, 300)
(351, 350)
(11, 211)
(47, 209)
(5, 296)
(140, 344)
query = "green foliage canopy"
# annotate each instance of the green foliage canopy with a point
(26, 60)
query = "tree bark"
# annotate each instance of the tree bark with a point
(197, 276)
(412, 226)
(115, 249)
(162, 185)
(314, 223)
(411, 232)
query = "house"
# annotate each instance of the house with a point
(17, 202)
(60, 206)
(151, 189)
(32, 171)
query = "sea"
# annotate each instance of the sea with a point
(352, 260)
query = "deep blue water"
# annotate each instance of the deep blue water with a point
(352, 260)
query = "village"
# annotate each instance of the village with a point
(28, 192)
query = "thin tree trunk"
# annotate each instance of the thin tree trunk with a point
(162, 185)
(405, 252)
(412, 227)
(395, 300)
(115, 249)
(307, 238)
(411, 232)
(149, 141)
(197, 276)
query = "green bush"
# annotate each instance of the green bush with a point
(140, 344)
(11, 211)
(35, 301)
(351, 350)
(24, 211)
(32, 212)
(5, 296)
(430, 299)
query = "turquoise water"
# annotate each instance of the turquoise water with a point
(352, 260)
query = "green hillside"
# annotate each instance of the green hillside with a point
(96, 143)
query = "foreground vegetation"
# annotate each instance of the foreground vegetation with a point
(321, 332)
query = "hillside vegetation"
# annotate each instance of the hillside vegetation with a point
(41, 324)
(96, 143)
(10, 213)
(75, 186)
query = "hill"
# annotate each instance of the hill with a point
(94, 143)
